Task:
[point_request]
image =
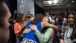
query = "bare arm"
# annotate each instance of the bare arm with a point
(44, 24)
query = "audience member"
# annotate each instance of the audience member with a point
(19, 25)
(61, 22)
(47, 14)
(53, 18)
(70, 30)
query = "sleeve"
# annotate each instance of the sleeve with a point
(17, 29)
(44, 37)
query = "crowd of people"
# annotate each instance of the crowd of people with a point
(46, 28)
(41, 28)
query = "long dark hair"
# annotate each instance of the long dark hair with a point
(19, 18)
(45, 28)
(38, 18)
(73, 36)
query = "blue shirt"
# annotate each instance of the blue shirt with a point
(31, 35)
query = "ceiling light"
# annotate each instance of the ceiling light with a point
(50, 2)
(55, 1)
(72, 1)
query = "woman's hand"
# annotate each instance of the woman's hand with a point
(33, 27)
(26, 31)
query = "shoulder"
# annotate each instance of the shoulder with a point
(50, 29)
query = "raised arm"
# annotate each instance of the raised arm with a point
(45, 24)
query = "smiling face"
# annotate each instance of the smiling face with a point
(70, 19)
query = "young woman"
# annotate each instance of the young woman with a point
(19, 25)
(31, 37)
(46, 36)
(70, 30)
